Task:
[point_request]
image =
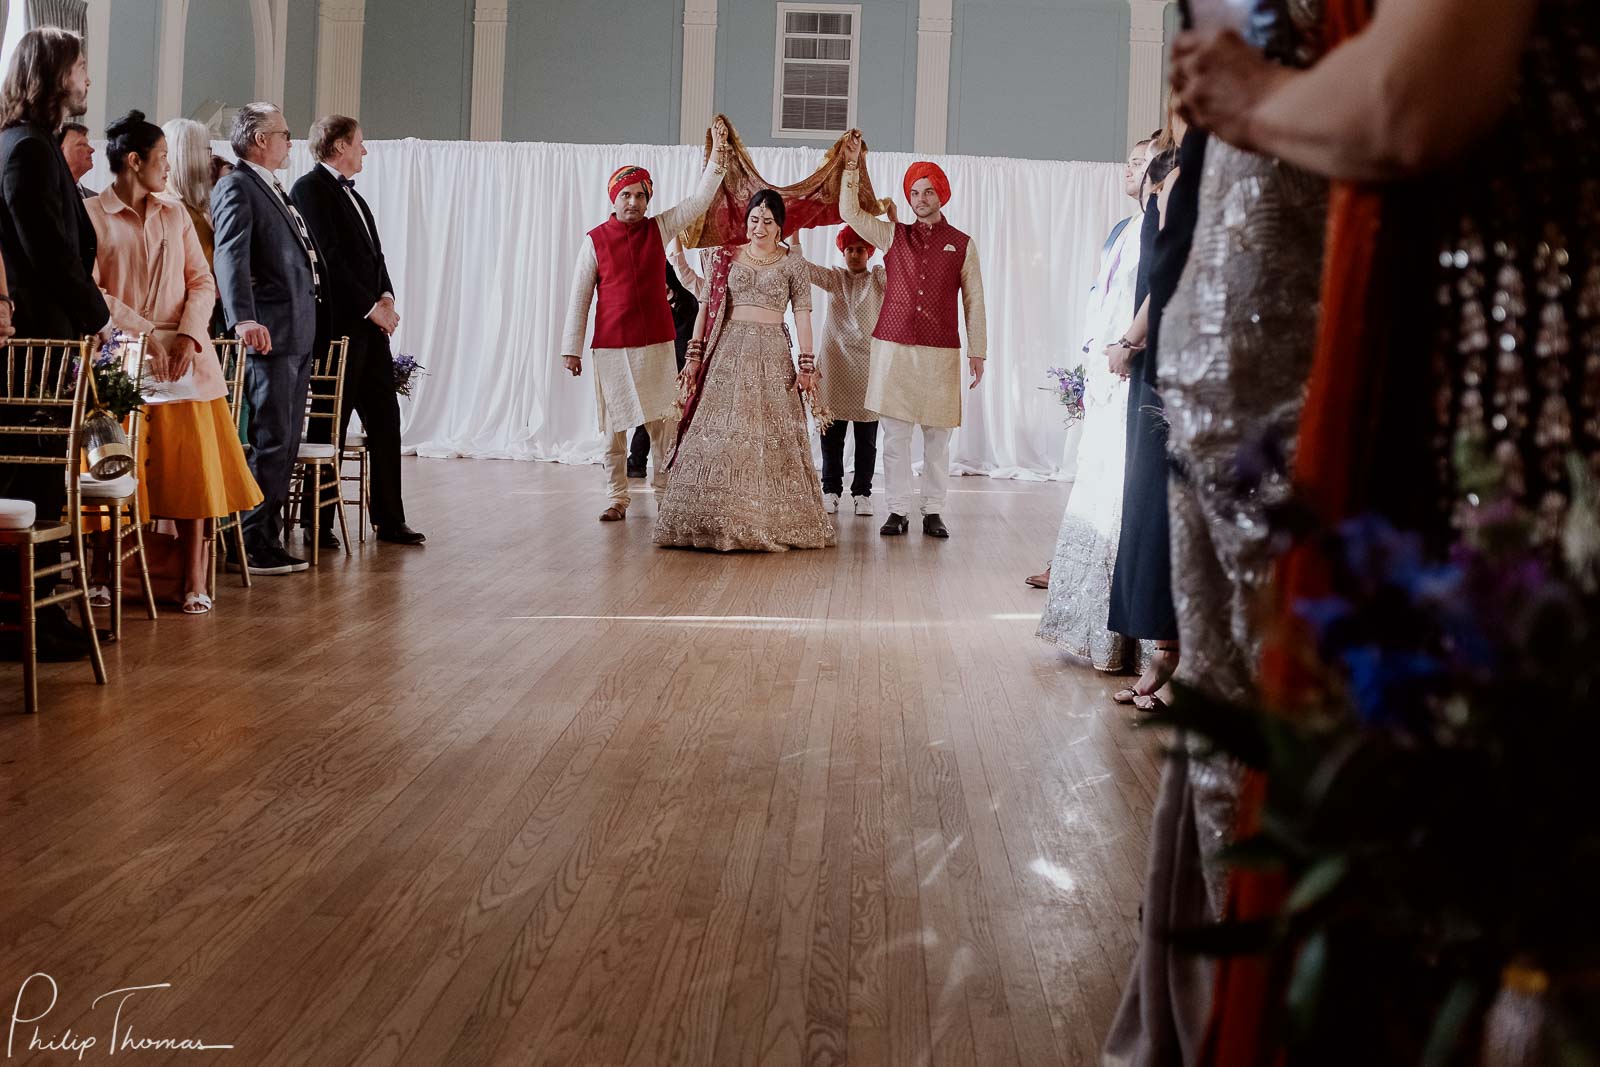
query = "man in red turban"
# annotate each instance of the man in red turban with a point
(915, 378)
(624, 259)
(855, 295)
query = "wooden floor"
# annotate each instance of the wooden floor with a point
(542, 793)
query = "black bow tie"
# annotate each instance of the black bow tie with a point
(345, 183)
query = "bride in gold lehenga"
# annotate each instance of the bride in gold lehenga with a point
(742, 476)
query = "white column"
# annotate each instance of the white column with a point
(270, 18)
(489, 21)
(99, 36)
(169, 60)
(1146, 72)
(340, 25)
(934, 31)
(699, 70)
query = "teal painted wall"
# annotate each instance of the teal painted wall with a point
(416, 73)
(1040, 79)
(300, 67)
(219, 54)
(1030, 78)
(886, 83)
(597, 72)
(131, 66)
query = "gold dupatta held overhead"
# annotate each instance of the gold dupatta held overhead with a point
(812, 201)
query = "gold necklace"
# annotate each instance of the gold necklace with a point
(750, 255)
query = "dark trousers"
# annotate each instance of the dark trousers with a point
(639, 449)
(369, 391)
(276, 386)
(833, 457)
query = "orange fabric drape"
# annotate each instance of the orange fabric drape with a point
(812, 201)
(1335, 430)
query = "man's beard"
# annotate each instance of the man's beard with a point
(78, 104)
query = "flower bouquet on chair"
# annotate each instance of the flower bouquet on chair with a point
(113, 396)
(406, 370)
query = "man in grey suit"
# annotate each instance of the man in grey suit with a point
(269, 278)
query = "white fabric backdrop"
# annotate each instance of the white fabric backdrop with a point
(481, 239)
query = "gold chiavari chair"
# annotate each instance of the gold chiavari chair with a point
(316, 478)
(117, 501)
(41, 417)
(230, 354)
(355, 451)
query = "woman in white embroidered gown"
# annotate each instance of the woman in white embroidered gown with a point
(1074, 617)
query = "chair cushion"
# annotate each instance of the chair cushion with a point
(310, 451)
(17, 514)
(355, 440)
(113, 489)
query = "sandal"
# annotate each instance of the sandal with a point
(100, 596)
(196, 604)
(1146, 699)
(613, 514)
(1039, 581)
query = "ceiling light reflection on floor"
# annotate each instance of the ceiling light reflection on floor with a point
(1053, 873)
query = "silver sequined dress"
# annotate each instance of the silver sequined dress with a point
(1237, 341)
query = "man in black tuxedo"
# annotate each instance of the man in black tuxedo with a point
(49, 248)
(360, 307)
(269, 277)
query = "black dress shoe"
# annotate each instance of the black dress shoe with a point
(327, 541)
(636, 472)
(400, 535)
(933, 526)
(895, 525)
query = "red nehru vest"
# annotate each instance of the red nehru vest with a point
(632, 311)
(920, 302)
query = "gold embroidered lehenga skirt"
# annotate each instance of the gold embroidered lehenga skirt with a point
(744, 477)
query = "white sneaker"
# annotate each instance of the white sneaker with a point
(863, 505)
(830, 503)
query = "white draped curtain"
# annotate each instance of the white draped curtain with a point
(481, 239)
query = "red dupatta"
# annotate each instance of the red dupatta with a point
(716, 304)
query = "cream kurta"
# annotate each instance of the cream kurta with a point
(845, 356)
(918, 383)
(633, 386)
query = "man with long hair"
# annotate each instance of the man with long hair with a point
(45, 235)
(49, 249)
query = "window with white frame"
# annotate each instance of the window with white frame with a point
(814, 90)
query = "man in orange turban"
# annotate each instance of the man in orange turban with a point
(915, 375)
(636, 366)
(934, 175)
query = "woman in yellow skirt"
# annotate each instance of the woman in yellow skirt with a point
(153, 271)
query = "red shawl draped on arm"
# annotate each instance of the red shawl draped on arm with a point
(813, 201)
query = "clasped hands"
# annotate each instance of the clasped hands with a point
(169, 366)
(1119, 359)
